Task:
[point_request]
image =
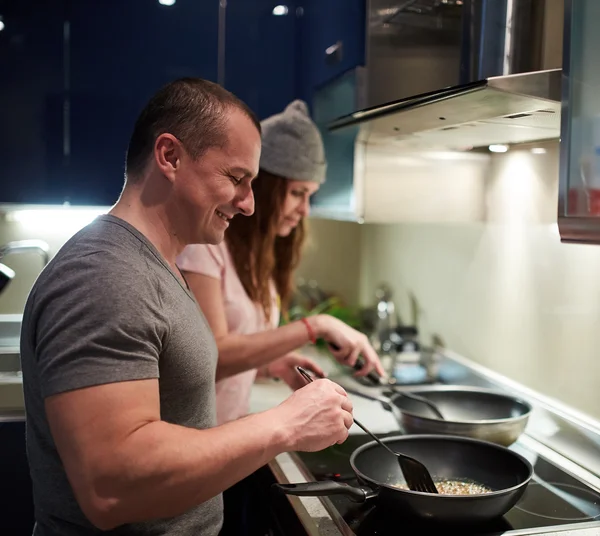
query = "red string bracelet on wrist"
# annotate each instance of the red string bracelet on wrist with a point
(311, 333)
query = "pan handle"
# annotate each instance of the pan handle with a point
(385, 402)
(360, 363)
(372, 376)
(326, 487)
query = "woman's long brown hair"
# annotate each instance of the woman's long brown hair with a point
(258, 254)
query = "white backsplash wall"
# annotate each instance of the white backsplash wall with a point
(332, 257)
(505, 293)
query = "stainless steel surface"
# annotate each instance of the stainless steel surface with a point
(387, 317)
(511, 87)
(411, 49)
(570, 434)
(505, 37)
(21, 246)
(459, 421)
(435, 80)
(502, 431)
(507, 109)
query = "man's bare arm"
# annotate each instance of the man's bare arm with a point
(126, 465)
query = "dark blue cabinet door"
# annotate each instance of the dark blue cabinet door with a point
(331, 40)
(120, 54)
(260, 54)
(31, 98)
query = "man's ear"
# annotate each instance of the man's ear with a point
(167, 155)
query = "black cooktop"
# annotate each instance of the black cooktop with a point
(553, 497)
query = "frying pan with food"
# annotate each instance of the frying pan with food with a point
(453, 461)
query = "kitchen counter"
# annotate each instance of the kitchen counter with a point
(558, 433)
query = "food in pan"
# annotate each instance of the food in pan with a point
(456, 487)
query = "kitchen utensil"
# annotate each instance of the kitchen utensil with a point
(391, 383)
(415, 473)
(376, 379)
(485, 414)
(503, 471)
(420, 399)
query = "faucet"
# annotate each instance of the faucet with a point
(387, 318)
(19, 246)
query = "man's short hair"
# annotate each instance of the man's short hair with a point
(191, 109)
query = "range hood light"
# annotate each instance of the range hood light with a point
(498, 148)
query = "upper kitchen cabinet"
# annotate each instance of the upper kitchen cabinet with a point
(76, 75)
(260, 53)
(579, 196)
(120, 53)
(331, 40)
(32, 134)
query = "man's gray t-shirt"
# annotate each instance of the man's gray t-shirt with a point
(108, 308)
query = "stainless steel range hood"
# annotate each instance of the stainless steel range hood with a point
(440, 77)
(501, 82)
(511, 109)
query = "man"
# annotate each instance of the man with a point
(119, 362)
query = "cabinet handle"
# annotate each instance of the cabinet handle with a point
(333, 54)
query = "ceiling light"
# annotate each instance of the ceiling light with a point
(280, 10)
(498, 148)
(1, 24)
(166, 2)
(538, 150)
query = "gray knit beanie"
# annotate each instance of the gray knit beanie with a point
(292, 146)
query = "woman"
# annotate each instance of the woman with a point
(243, 284)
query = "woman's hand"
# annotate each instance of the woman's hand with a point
(285, 369)
(346, 344)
